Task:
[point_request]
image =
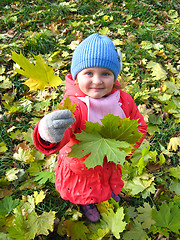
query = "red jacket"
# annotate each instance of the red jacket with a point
(74, 181)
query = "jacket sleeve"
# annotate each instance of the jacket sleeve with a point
(131, 110)
(43, 146)
(50, 148)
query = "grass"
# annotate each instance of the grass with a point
(48, 26)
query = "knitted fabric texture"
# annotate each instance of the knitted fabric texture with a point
(96, 51)
(99, 108)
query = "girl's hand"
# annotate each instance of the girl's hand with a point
(53, 125)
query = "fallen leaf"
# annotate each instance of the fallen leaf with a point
(39, 75)
(39, 197)
(173, 144)
(158, 72)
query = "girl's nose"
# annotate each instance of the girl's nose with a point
(97, 79)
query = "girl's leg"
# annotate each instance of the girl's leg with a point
(115, 197)
(91, 213)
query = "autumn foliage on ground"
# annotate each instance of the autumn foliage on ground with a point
(37, 39)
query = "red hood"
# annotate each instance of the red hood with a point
(72, 89)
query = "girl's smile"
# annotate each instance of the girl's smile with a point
(96, 82)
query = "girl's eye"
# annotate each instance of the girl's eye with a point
(89, 73)
(105, 74)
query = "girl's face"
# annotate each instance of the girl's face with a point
(96, 82)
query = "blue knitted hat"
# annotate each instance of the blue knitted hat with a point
(96, 51)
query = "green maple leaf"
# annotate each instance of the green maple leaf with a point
(19, 230)
(104, 31)
(113, 139)
(34, 169)
(2, 222)
(40, 224)
(92, 127)
(110, 126)
(98, 230)
(115, 221)
(145, 216)
(168, 217)
(99, 148)
(175, 172)
(116, 128)
(175, 186)
(144, 159)
(27, 227)
(39, 75)
(143, 184)
(29, 205)
(6, 83)
(43, 177)
(136, 232)
(121, 129)
(7, 205)
(76, 230)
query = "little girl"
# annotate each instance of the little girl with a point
(94, 70)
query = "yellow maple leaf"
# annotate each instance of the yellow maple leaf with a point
(3, 147)
(104, 206)
(73, 44)
(39, 75)
(24, 155)
(158, 72)
(39, 197)
(67, 105)
(174, 143)
(161, 53)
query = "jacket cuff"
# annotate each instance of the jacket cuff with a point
(44, 146)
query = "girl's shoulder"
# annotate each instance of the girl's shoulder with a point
(127, 103)
(125, 97)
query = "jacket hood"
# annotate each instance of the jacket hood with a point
(72, 89)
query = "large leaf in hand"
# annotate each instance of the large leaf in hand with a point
(113, 139)
(116, 128)
(110, 126)
(39, 75)
(99, 147)
(128, 130)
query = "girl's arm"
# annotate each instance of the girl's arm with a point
(50, 148)
(43, 146)
(131, 110)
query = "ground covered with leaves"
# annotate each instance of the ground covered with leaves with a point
(147, 33)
